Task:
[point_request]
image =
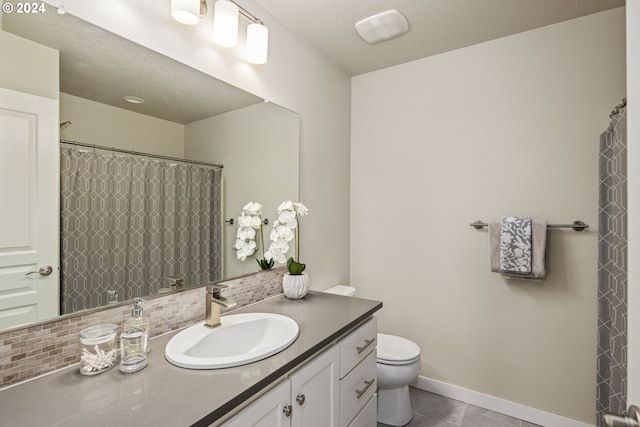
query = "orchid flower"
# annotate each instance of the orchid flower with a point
(285, 229)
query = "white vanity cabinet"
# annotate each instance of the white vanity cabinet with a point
(266, 411)
(335, 388)
(308, 397)
(358, 374)
(314, 391)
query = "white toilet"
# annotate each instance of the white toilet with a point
(398, 365)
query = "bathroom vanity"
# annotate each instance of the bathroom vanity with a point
(328, 371)
(337, 387)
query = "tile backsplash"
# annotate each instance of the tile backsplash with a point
(36, 350)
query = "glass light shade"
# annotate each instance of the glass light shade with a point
(225, 23)
(186, 11)
(257, 43)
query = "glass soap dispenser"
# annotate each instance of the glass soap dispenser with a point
(138, 322)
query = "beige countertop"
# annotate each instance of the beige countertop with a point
(165, 395)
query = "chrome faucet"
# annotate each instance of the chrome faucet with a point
(176, 282)
(213, 303)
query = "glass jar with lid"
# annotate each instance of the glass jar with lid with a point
(99, 352)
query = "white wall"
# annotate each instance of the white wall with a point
(258, 147)
(96, 123)
(507, 127)
(28, 67)
(297, 77)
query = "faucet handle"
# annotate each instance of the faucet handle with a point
(176, 282)
(215, 288)
(212, 287)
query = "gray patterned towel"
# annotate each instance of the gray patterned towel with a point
(538, 251)
(515, 245)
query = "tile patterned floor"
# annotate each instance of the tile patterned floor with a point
(432, 410)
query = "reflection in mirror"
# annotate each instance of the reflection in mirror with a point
(186, 115)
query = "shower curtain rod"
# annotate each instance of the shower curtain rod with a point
(137, 153)
(618, 107)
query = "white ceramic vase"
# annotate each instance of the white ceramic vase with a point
(295, 286)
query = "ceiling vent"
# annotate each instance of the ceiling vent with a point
(382, 26)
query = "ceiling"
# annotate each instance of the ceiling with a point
(98, 65)
(101, 66)
(435, 26)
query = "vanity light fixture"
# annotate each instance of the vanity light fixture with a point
(257, 37)
(188, 12)
(225, 30)
(225, 25)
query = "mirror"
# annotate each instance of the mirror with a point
(186, 114)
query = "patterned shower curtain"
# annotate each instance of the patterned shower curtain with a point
(129, 222)
(612, 269)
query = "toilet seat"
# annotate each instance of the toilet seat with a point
(397, 351)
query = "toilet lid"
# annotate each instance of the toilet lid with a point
(393, 350)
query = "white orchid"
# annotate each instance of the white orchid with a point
(285, 229)
(301, 209)
(246, 233)
(245, 248)
(252, 208)
(277, 251)
(281, 233)
(249, 221)
(287, 219)
(285, 206)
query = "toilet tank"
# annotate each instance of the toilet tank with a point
(347, 291)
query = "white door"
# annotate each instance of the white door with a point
(29, 216)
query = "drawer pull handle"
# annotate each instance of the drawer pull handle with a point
(300, 399)
(287, 410)
(367, 343)
(368, 384)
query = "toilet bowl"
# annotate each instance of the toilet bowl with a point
(398, 365)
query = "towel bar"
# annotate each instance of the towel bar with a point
(576, 225)
(232, 221)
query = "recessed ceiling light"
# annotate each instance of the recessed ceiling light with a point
(134, 100)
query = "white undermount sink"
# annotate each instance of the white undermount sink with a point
(240, 339)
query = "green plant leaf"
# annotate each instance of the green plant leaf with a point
(265, 264)
(295, 267)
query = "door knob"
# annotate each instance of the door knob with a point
(43, 271)
(632, 419)
(300, 399)
(287, 410)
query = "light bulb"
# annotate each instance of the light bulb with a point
(257, 43)
(225, 23)
(186, 11)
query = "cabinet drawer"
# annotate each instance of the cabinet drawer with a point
(368, 416)
(357, 345)
(357, 388)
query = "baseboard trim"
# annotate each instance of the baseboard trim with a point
(496, 404)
